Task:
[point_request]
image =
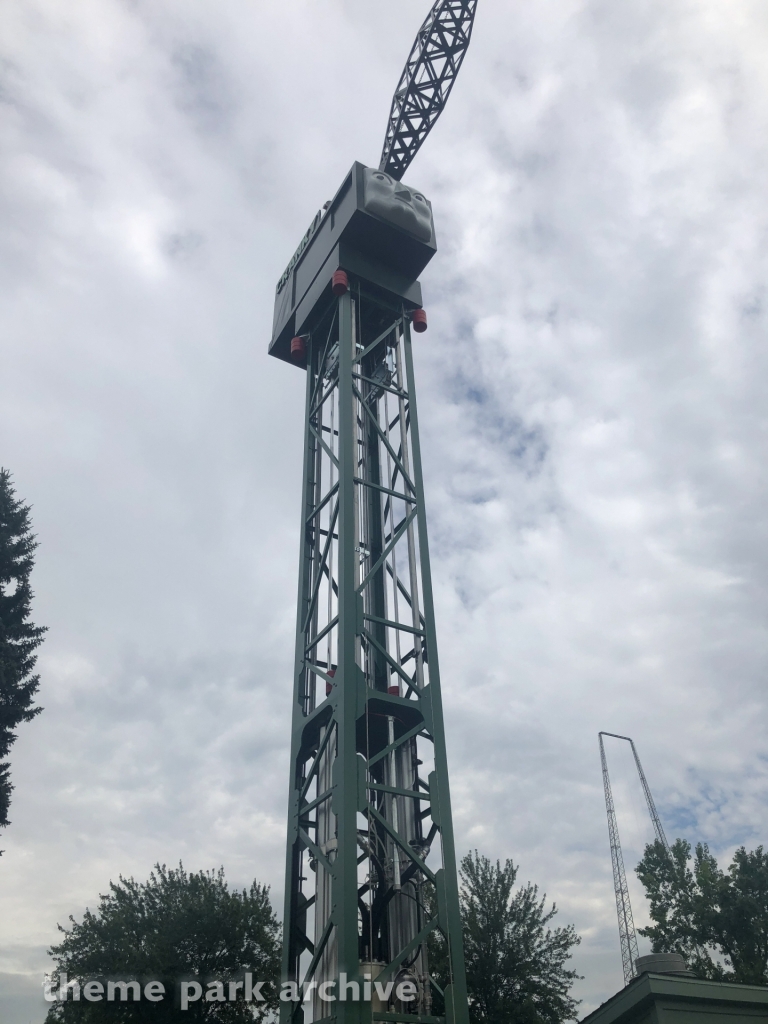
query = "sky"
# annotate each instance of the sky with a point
(594, 429)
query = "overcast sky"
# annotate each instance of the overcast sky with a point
(592, 402)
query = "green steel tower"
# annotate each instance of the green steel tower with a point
(371, 865)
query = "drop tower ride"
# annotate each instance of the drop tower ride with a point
(371, 865)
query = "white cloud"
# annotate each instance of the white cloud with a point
(592, 410)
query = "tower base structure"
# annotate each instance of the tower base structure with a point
(372, 926)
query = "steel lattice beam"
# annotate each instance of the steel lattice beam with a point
(655, 819)
(371, 866)
(660, 836)
(426, 81)
(627, 935)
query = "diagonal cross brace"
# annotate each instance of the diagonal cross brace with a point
(325, 447)
(390, 661)
(417, 940)
(315, 850)
(323, 560)
(316, 763)
(318, 951)
(359, 358)
(406, 523)
(407, 850)
(384, 439)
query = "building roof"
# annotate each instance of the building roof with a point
(677, 999)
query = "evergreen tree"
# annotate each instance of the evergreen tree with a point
(718, 920)
(174, 926)
(19, 638)
(516, 963)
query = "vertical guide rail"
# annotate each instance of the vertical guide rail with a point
(370, 865)
(458, 981)
(627, 935)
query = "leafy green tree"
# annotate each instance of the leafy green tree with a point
(516, 963)
(174, 926)
(718, 920)
(19, 638)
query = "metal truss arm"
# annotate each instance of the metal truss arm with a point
(426, 81)
(651, 805)
(655, 819)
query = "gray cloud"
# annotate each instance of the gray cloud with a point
(592, 410)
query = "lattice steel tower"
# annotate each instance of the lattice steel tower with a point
(371, 867)
(627, 934)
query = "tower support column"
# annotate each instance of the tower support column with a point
(371, 886)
